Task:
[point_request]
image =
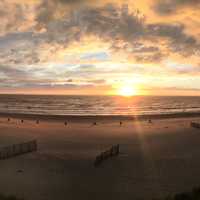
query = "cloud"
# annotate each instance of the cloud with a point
(123, 29)
(166, 7)
(36, 40)
(105, 22)
(15, 17)
(49, 10)
(149, 58)
(183, 68)
(179, 41)
(73, 2)
(11, 71)
(117, 25)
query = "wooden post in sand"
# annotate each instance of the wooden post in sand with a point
(113, 151)
(195, 125)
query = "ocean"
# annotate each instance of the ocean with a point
(97, 105)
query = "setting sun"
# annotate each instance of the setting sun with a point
(127, 91)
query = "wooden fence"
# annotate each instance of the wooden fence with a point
(18, 149)
(195, 125)
(113, 151)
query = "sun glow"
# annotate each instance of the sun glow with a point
(127, 91)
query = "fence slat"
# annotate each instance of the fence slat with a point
(113, 151)
(18, 149)
(195, 125)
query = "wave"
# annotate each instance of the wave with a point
(97, 105)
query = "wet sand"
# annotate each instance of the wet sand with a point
(156, 159)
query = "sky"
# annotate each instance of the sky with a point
(99, 47)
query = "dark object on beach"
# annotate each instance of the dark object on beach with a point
(8, 119)
(113, 151)
(150, 121)
(120, 123)
(195, 125)
(18, 149)
(2, 197)
(19, 171)
(65, 123)
(94, 123)
(37, 121)
(22, 121)
(193, 195)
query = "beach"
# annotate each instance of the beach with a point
(156, 159)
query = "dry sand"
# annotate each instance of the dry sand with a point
(155, 160)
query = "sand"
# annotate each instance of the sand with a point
(155, 159)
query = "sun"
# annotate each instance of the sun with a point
(127, 91)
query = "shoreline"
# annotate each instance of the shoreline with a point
(98, 117)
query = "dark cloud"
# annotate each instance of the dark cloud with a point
(73, 1)
(12, 76)
(118, 25)
(14, 17)
(11, 71)
(105, 22)
(146, 49)
(165, 7)
(149, 58)
(123, 29)
(179, 41)
(98, 81)
(18, 48)
(17, 76)
(69, 80)
(49, 10)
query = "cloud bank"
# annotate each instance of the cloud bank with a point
(36, 38)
